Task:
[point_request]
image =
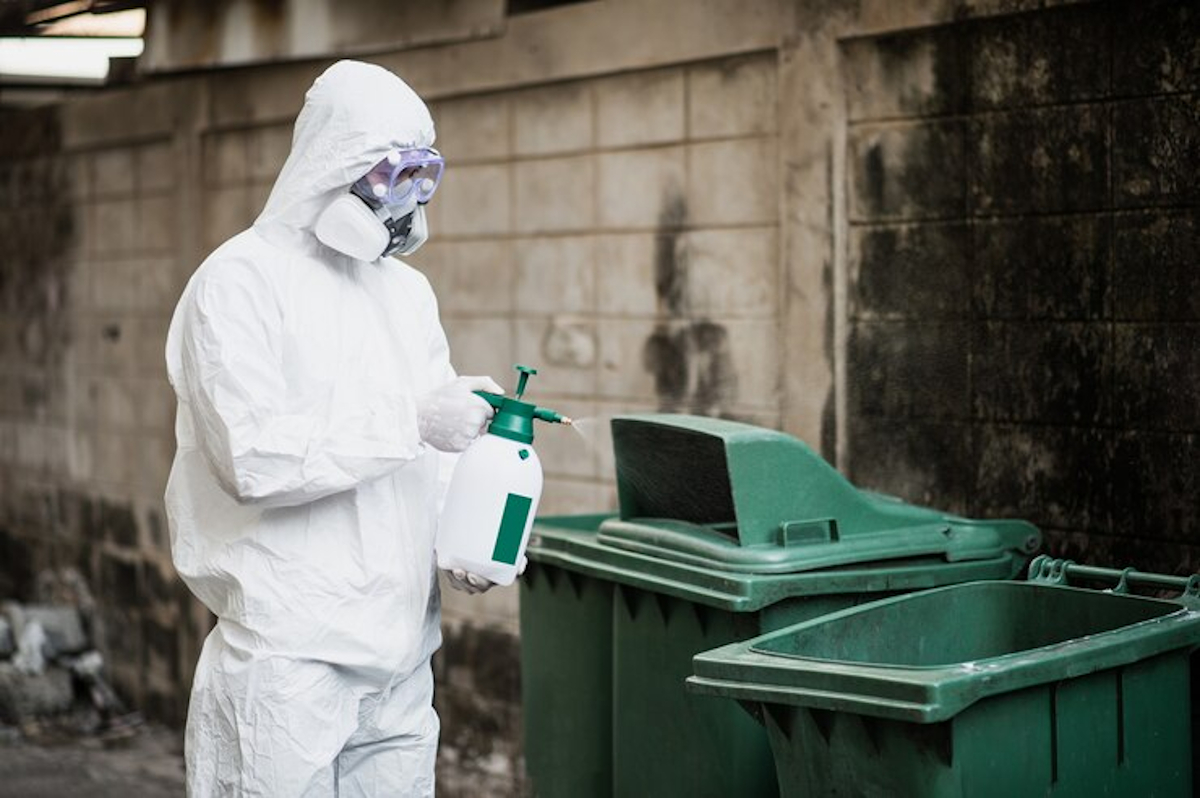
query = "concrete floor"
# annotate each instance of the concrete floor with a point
(147, 765)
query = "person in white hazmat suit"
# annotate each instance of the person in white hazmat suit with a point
(317, 405)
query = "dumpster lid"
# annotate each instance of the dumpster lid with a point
(719, 493)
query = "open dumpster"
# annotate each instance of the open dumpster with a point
(725, 531)
(981, 689)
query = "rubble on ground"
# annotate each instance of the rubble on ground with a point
(51, 677)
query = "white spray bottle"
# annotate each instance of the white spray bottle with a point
(494, 493)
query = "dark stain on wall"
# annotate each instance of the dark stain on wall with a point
(688, 355)
(1024, 321)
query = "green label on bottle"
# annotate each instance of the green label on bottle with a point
(512, 529)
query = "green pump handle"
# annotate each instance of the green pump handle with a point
(513, 418)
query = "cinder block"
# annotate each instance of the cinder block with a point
(636, 188)
(1054, 56)
(469, 276)
(31, 447)
(1051, 373)
(475, 200)
(114, 284)
(1156, 48)
(116, 407)
(755, 359)
(81, 243)
(155, 400)
(555, 195)
(497, 607)
(81, 456)
(562, 496)
(907, 171)
(919, 73)
(733, 272)
(623, 375)
(481, 346)
(733, 97)
(226, 158)
(84, 400)
(272, 93)
(157, 167)
(597, 431)
(161, 651)
(733, 182)
(473, 129)
(564, 452)
(159, 284)
(625, 273)
(8, 442)
(920, 271)
(78, 179)
(564, 350)
(1155, 484)
(909, 370)
(115, 227)
(112, 344)
(157, 226)
(1042, 268)
(150, 344)
(155, 455)
(1052, 476)
(924, 462)
(704, 366)
(267, 148)
(554, 275)
(113, 172)
(1043, 160)
(1156, 376)
(115, 458)
(640, 108)
(127, 114)
(227, 212)
(552, 119)
(1154, 266)
(1156, 151)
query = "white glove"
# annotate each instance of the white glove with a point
(451, 417)
(474, 583)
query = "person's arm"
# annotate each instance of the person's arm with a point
(266, 446)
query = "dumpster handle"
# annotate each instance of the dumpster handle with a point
(1048, 570)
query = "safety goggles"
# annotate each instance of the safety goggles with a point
(403, 175)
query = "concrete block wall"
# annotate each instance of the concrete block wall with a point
(1022, 278)
(621, 235)
(90, 275)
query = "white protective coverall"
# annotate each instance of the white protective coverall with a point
(302, 501)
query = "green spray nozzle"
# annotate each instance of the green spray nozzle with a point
(513, 418)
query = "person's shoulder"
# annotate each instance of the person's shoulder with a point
(244, 258)
(413, 280)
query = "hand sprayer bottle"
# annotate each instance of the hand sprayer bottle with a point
(493, 495)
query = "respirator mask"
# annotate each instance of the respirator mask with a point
(383, 213)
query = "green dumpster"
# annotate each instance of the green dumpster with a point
(982, 689)
(725, 531)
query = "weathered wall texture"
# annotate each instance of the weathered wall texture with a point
(1023, 288)
(86, 433)
(952, 245)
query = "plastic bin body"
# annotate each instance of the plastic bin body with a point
(986, 689)
(725, 531)
(607, 644)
